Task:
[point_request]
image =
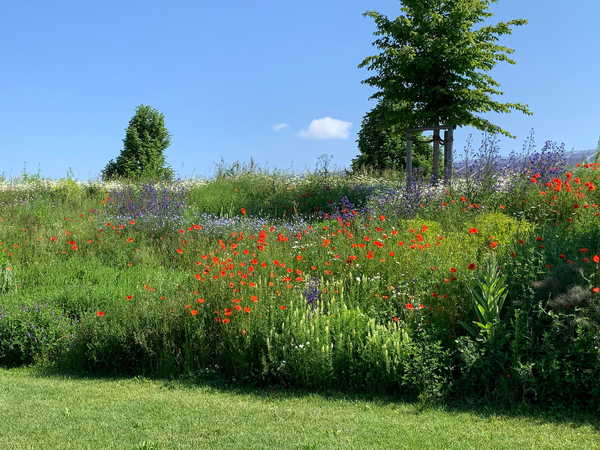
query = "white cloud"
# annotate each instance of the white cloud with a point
(280, 126)
(326, 128)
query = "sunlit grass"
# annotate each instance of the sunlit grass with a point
(54, 412)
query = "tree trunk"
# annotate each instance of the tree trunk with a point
(448, 143)
(435, 167)
(408, 156)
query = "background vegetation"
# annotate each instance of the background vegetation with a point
(486, 290)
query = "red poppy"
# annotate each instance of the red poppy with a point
(282, 307)
(194, 312)
(226, 320)
(596, 259)
(100, 313)
(129, 297)
(409, 306)
(179, 250)
(596, 290)
(473, 230)
(453, 269)
(243, 211)
(471, 266)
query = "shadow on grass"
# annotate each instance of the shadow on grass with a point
(537, 414)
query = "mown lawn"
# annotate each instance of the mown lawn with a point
(57, 412)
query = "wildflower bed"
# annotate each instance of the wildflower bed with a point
(320, 282)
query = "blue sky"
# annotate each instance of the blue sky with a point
(225, 74)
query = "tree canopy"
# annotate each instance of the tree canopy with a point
(433, 62)
(381, 145)
(146, 138)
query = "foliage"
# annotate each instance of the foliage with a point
(432, 64)
(314, 281)
(487, 296)
(31, 333)
(275, 196)
(382, 146)
(502, 229)
(7, 276)
(146, 138)
(148, 204)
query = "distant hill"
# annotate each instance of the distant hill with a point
(572, 157)
(580, 156)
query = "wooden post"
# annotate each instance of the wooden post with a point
(448, 143)
(408, 156)
(435, 166)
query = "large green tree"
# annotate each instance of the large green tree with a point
(433, 64)
(381, 144)
(146, 139)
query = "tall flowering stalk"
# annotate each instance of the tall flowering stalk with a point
(488, 295)
(149, 203)
(312, 293)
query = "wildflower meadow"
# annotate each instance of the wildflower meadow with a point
(485, 289)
